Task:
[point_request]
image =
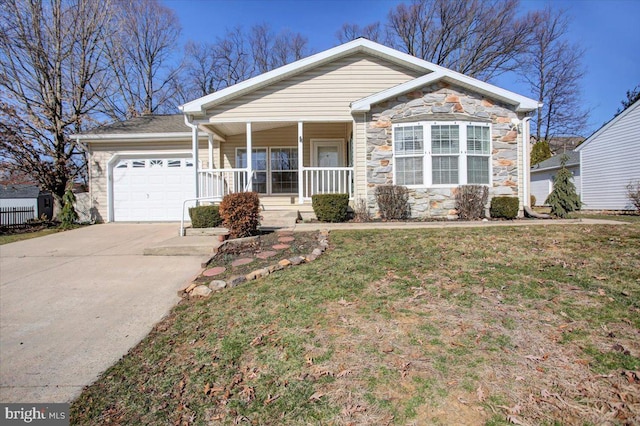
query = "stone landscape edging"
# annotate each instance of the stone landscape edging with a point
(194, 289)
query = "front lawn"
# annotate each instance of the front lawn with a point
(19, 236)
(526, 325)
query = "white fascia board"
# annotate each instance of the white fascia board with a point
(132, 136)
(523, 103)
(607, 125)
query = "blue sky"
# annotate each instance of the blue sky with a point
(607, 29)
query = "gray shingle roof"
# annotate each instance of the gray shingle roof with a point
(144, 124)
(19, 191)
(555, 161)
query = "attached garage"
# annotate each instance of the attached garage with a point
(141, 170)
(151, 189)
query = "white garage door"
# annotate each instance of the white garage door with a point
(151, 189)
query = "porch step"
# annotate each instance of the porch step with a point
(278, 218)
(284, 204)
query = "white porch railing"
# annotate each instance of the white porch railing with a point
(216, 183)
(327, 180)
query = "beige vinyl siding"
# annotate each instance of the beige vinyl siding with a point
(323, 93)
(360, 157)
(286, 136)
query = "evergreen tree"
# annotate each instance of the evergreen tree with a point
(563, 199)
(540, 152)
(68, 215)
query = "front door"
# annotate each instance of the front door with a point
(327, 153)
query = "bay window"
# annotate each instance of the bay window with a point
(442, 154)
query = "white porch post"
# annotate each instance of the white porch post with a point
(194, 148)
(300, 163)
(249, 159)
(210, 152)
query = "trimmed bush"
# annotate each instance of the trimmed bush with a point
(205, 217)
(393, 201)
(240, 213)
(532, 200)
(330, 207)
(470, 201)
(504, 207)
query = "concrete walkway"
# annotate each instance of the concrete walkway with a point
(73, 303)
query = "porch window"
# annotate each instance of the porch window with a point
(284, 170)
(442, 154)
(259, 167)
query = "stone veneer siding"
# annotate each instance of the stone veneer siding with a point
(440, 102)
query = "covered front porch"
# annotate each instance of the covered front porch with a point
(286, 160)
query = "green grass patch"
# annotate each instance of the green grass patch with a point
(12, 238)
(389, 325)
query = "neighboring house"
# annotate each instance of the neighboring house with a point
(344, 120)
(562, 144)
(17, 200)
(542, 174)
(610, 160)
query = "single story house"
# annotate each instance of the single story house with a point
(19, 203)
(344, 120)
(609, 161)
(542, 174)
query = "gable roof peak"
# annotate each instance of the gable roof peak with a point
(360, 44)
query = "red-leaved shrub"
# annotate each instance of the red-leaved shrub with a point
(240, 214)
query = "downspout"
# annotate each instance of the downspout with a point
(525, 161)
(194, 149)
(528, 211)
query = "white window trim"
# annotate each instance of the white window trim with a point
(427, 163)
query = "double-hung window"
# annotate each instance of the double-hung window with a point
(478, 154)
(442, 154)
(408, 142)
(445, 154)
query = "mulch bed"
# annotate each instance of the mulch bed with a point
(267, 249)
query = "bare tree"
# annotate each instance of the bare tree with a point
(552, 69)
(350, 32)
(270, 50)
(210, 67)
(478, 38)
(238, 56)
(141, 49)
(52, 77)
(288, 47)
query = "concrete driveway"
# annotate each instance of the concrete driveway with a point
(73, 303)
